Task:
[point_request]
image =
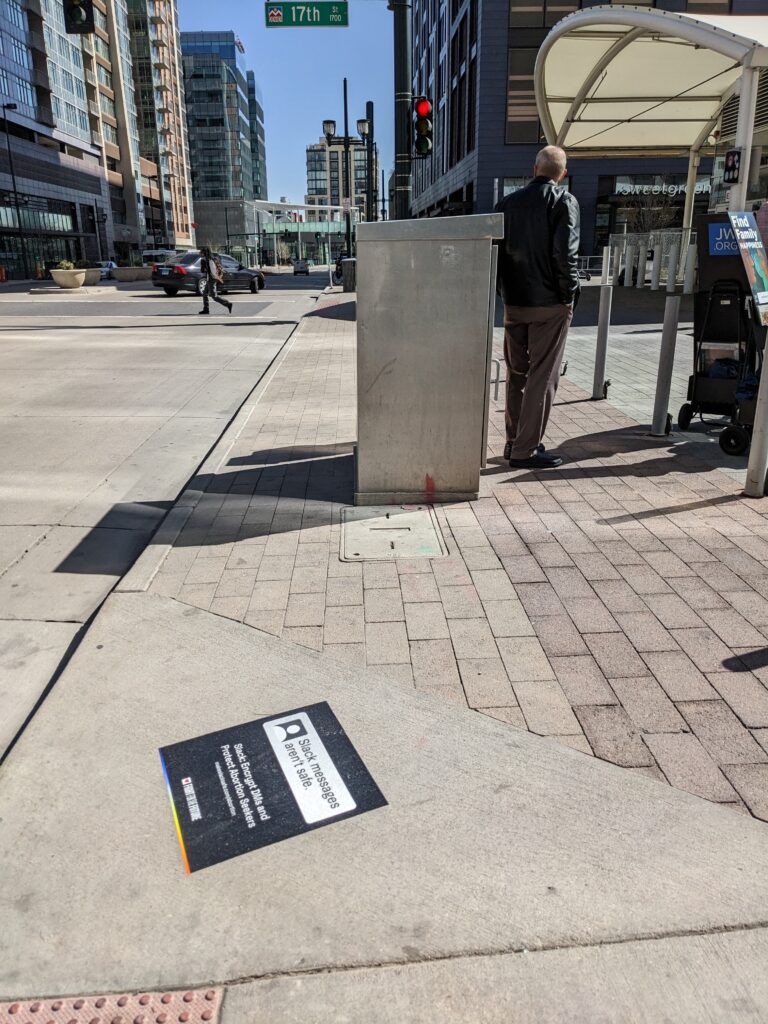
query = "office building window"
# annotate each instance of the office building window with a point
(522, 116)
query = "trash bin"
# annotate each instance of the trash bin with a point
(348, 274)
(426, 297)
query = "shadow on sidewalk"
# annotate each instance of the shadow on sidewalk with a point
(656, 457)
(336, 311)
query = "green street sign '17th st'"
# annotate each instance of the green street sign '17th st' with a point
(320, 14)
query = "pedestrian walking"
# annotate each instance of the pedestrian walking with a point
(539, 284)
(211, 268)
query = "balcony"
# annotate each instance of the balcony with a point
(45, 115)
(36, 41)
(94, 109)
(157, 19)
(160, 61)
(34, 7)
(158, 41)
(90, 78)
(87, 45)
(40, 79)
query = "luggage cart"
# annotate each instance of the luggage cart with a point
(723, 355)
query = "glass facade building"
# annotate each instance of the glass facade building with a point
(258, 138)
(163, 144)
(474, 59)
(216, 90)
(326, 173)
(73, 135)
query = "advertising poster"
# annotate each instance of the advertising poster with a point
(251, 785)
(752, 250)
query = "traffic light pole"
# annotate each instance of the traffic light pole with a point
(403, 100)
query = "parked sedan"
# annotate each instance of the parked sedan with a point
(301, 267)
(183, 273)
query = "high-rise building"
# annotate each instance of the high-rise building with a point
(163, 147)
(326, 174)
(258, 138)
(69, 109)
(475, 59)
(216, 91)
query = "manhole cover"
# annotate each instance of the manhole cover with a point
(378, 532)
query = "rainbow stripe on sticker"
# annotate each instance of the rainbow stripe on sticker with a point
(175, 816)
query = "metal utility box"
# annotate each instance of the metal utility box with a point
(426, 295)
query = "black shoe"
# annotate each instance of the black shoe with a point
(204, 312)
(229, 304)
(539, 460)
(508, 449)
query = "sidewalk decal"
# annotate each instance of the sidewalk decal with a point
(251, 785)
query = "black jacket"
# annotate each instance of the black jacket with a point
(538, 258)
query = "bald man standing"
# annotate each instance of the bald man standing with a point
(539, 283)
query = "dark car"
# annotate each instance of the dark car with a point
(183, 273)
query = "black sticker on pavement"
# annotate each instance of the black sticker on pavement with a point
(245, 787)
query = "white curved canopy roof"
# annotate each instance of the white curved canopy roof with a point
(625, 77)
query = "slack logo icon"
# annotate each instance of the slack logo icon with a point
(291, 730)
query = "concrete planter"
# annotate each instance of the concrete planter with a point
(124, 273)
(68, 278)
(143, 274)
(92, 277)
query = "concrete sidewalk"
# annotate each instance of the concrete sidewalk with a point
(617, 605)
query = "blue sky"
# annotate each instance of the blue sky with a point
(300, 71)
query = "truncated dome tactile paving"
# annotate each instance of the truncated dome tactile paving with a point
(190, 1007)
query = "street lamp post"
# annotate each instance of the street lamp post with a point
(329, 130)
(226, 226)
(6, 108)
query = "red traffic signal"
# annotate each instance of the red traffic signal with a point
(422, 126)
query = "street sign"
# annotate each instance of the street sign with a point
(320, 14)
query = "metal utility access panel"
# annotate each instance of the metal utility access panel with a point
(425, 306)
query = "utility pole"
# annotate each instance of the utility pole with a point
(347, 175)
(403, 102)
(383, 198)
(370, 205)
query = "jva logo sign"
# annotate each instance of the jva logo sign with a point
(722, 241)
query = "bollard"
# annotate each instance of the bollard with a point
(690, 270)
(642, 259)
(656, 268)
(601, 350)
(616, 265)
(606, 264)
(666, 363)
(349, 274)
(629, 266)
(672, 267)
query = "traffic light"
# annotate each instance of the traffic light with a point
(78, 17)
(422, 126)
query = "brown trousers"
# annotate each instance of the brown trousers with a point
(534, 341)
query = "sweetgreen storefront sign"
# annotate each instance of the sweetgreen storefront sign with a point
(321, 14)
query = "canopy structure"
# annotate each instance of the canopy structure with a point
(638, 79)
(634, 79)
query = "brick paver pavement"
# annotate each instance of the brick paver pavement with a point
(618, 605)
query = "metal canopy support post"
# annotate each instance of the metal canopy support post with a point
(694, 158)
(672, 267)
(758, 452)
(666, 363)
(601, 349)
(403, 102)
(750, 78)
(690, 269)
(616, 264)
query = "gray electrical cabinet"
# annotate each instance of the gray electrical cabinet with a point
(426, 293)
